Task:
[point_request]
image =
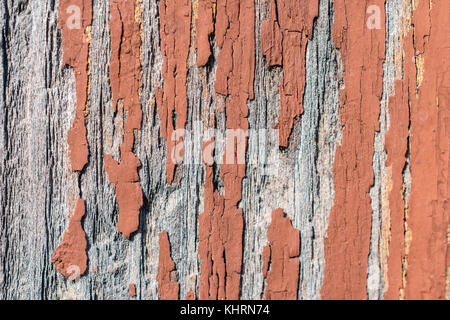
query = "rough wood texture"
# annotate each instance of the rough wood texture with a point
(386, 187)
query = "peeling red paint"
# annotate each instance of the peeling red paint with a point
(428, 216)
(396, 148)
(75, 19)
(220, 245)
(417, 265)
(125, 78)
(190, 295)
(348, 242)
(281, 263)
(283, 42)
(132, 290)
(70, 257)
(396, 145)
(175, 30)
(211, 247)
(204, 28)
(168, 287)
(236, 60)
(128, 190)
(221, 223)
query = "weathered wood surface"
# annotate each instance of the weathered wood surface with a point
(38, 190)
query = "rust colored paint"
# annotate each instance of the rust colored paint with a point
(283, 42)
(428, 215)
(75, 19)
(281, 263)
(70, 257)
(168, 287)
(204, 28)
(221, 223)
(418, 255)
(236, 60)
(175, 31)
(396, 148)
(211, 247)
(190, 295)
(396, 145)
(348, 241)
(220, 245)
(132, 290)
(125, 79)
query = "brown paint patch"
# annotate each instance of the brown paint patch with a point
(125, 78)
(221, 223)
(70, 257)
(281, 263)
(168, 287)
(283, 42)
(430, 151)
(204, 28)
(175, 30)
(348, 242)
(75, 19)
(132, 290)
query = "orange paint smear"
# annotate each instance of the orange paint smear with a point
(348, 242)
(429, 151)
(70, 257)
(74, 17)
(204, 28)
(283, 42)
(221, 223)
(125, 79)
(281, 263)
(175, 31)
(168, 287)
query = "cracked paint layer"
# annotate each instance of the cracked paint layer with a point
(220, 245)
(168, 286)
(396, 145)
(75, 19)
(347, 245)
(175, 31)
(428, 45)
(284, 37)
(281, 263)
(221, 223)
(70, 257)
(125, 79)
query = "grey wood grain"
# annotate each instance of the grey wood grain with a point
(37, 103)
